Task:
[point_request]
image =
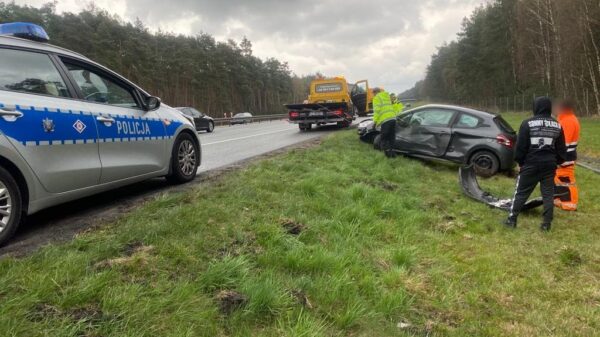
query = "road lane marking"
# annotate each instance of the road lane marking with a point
(246, 137)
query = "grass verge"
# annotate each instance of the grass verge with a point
(331, 241)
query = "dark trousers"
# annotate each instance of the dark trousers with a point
(529, 176)
(388, 135)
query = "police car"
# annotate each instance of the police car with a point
(70, 127)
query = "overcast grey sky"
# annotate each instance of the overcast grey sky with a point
(389, 42)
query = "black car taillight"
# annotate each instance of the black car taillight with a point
(503, 140)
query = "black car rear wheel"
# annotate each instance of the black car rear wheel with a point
(485, 163)
(211, 127)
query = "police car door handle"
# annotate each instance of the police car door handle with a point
(9, 113)
(106, 120)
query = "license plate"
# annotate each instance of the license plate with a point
(315, 113)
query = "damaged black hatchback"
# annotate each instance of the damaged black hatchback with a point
(457, 134)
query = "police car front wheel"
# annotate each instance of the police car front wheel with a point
(10, 205)
(185, 159)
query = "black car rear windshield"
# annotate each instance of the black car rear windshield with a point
(503, 125)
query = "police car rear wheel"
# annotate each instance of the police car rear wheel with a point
(10, 205)
(184, 160)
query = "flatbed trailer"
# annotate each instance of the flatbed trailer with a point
(308, 114)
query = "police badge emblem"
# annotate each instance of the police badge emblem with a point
(48, 125)
(79, 126)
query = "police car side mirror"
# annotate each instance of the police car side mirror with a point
(152, 103)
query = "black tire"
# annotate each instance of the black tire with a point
(377, 142)
(182, 158)
(485, 163)
(344, 124)
(369, 137)
(211, 127)
(9, 223)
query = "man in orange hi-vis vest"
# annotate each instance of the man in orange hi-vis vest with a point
(566, 187)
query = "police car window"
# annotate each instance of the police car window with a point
(467, 121)
(100, 89)
(30, 72)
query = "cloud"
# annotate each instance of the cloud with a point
(389, 42)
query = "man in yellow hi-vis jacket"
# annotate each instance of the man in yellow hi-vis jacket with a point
(398, 106)
(384, 116)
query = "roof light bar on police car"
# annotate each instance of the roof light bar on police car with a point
(24, 30)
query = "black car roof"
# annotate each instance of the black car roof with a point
(478, 113)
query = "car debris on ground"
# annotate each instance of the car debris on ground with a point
(470, 187)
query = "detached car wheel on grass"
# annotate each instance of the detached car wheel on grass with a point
(10, 206)
(184, 160)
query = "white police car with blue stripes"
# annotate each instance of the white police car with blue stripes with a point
(70, 127)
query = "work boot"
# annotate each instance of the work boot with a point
(545, 227)
(510, 223)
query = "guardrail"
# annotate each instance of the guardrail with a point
(253, 119)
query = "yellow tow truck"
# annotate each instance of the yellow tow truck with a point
(332, 101)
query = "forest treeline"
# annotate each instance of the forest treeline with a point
(520, 48)
(198, 71)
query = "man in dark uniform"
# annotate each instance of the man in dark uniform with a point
(540, 149)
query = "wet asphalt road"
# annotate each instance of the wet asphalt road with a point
(224, 147)
(230, 144)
